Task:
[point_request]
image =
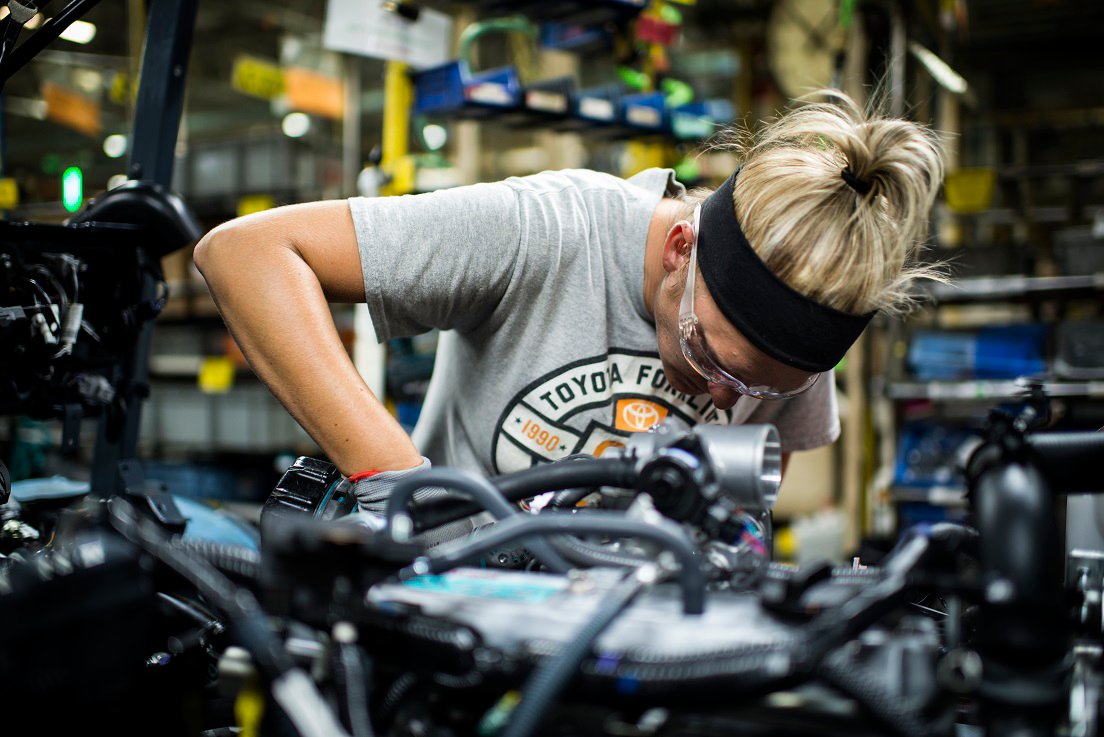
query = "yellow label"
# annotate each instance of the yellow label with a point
(257, 77)
(249, 708)
(120, 90)
(216, 375)
(9, 193)
(255, 203)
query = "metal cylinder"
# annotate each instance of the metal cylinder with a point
(746, 461)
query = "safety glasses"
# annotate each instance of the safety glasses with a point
(696, 350)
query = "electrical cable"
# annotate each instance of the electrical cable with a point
(658, 529)
(545, 684)
(205, 620)
(63, 297)
(514, 487)
(73, 263)
(474, 486)
(45, 310)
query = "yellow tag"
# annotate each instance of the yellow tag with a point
(257, 77)
(249, 708)
(255, 203)
(9, 193)
(120, 90)
(969, 190)
(785, 543)
(216, 375)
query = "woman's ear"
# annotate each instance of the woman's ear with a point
(677, 246)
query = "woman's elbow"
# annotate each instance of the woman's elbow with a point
(212, 249)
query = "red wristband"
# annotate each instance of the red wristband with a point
(363, 475)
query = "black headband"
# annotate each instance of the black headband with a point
(779, 321)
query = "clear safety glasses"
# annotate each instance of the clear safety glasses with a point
(696, 351)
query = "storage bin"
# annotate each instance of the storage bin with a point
(1001, 352)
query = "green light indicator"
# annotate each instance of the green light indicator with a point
(72, 188)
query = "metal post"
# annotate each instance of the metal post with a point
(897, 47)
(161, 90)
(351, 161)
(398, 99)
(156, 125)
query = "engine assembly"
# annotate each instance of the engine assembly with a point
(646, 604)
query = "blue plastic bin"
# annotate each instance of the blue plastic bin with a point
(1011, 351)
(646, 111)
(1002, 352)
(452, 88)
(929, 455)
(441, 88)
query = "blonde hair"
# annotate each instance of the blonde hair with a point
(853, 252)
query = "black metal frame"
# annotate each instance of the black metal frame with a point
(158, 111)
(14, 59)
(157, 116)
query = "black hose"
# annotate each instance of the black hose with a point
(236, 560)
(617, 472)
(398, 691)
(834, 627)
(479, 489)
(868, 690)
(292, 689)
(545, 684)
(240, 606)
(568, 498)
(568, 474)
(663, 531)
(1071, 461)
(352, 676)
(583, 553)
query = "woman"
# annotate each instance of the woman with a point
(572, 301)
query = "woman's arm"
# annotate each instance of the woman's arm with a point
(271, 275)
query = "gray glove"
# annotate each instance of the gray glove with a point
(373, 492)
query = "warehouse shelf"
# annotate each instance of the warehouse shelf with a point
(947, 496)
(987, 390)
(1011, 288)
(185, 366)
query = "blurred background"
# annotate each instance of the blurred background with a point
(297, 100)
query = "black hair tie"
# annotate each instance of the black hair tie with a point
(861, 186)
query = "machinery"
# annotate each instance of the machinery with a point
(640, 599)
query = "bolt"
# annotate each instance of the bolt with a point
(999, 591)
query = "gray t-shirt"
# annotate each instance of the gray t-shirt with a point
(549, 348)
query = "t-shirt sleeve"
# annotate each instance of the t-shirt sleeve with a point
(804, 422)
(436, 260)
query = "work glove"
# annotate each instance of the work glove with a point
(373, 491)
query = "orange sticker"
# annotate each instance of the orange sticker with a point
(606, 445)
(638, 415)
(312, 92)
